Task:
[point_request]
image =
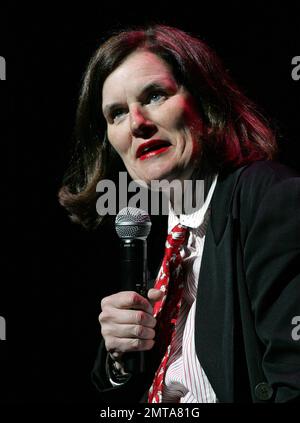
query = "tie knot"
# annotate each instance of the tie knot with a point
(176, 237)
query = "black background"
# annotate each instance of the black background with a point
(53, 272)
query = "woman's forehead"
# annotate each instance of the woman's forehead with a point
(141, 62)
(138, 69)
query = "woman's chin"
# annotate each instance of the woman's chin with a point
(156, 176)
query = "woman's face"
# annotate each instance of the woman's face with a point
(152, 122)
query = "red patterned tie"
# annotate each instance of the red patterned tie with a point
(166, 310)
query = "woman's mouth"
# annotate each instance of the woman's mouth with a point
(152, 148)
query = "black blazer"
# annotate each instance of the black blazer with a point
(248, 292)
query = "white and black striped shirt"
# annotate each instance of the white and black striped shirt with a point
(185, 380)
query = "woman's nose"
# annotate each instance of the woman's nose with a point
(140, 124)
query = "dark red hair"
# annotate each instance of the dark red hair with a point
(237, 133)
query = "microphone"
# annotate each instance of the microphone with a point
(133, 226)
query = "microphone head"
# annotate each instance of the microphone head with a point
(133, 223)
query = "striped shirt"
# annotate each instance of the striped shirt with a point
(185, 380)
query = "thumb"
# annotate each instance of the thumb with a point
(155, 295)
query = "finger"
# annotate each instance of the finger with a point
(128, 331)
(127, 300)
(118, 346)
(119, 316)
(155, 295)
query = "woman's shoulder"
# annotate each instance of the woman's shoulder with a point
(254, 180)
(268, 184)
(269, 169)
(262, 175)
(252, 189)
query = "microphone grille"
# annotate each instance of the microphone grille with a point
(132, 223)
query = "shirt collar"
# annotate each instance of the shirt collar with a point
(193, 220)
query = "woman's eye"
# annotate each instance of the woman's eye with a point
(117, 114)
(156, 96)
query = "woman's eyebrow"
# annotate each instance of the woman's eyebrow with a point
(109, 107)
(154, 85)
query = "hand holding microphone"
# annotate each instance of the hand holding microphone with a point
(127, 323)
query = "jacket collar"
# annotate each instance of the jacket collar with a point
(222, 201)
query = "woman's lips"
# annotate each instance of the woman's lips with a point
(153, 153)
(152, 148)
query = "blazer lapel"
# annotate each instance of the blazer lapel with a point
(214, 319)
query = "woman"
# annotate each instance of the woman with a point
(161, 101)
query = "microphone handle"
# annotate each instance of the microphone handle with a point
(134, 275)
(134, 265)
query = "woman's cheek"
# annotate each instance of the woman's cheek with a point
(186, 115)
(117, 140)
